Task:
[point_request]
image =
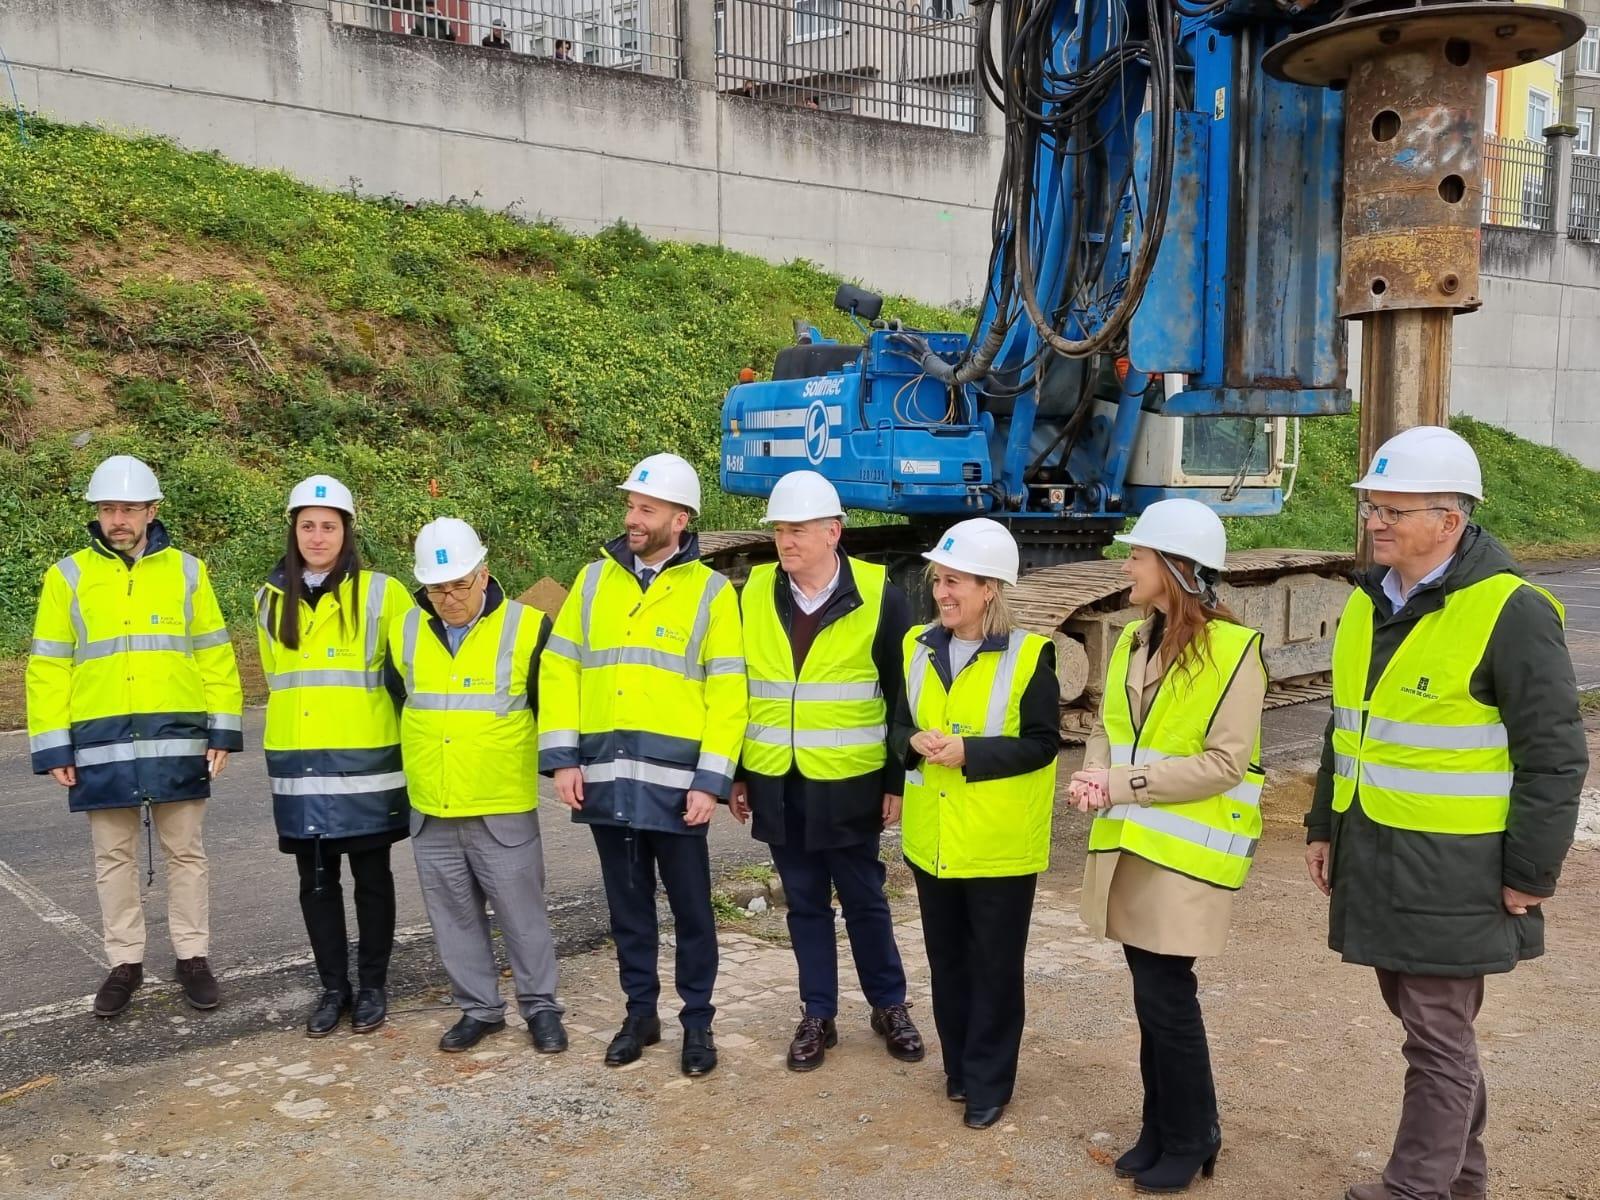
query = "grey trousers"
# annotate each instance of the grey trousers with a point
(463, 862)
(1438, 1149)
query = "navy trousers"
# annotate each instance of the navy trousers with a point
(810, 878)
(630, 860)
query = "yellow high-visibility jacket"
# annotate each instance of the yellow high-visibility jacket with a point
(645, 689)
(132, 676)
(333, 729)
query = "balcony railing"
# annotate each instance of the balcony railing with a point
(889, 59)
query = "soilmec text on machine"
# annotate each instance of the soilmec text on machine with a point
(1194, 197)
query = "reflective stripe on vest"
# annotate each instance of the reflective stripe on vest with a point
(957, 828)
(830, 721)
(369, 678)
(137, 643)
(1212, 838)
(1423, 753)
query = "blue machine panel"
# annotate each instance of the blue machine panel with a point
(1168, 332)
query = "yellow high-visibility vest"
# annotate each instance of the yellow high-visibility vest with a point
(830, 718)
(1425, 754)
(956, 829)
(470, 739)
(1214, 838)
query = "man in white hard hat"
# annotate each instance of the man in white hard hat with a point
(822, 639)
(134, 705)
(1448, 793)
(644, 713)
(468, 656)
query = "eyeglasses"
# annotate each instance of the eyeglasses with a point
(1388, 515)
(458, 590)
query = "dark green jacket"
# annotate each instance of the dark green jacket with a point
(1429, 904)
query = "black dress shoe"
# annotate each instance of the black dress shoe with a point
(1142, 1155)
(636, 1033)
(198, 983)
(372, 1010)
(699, 1052)
(814, 1037)
(955, 1091)
(982, 1118)
(548, 1036)
(467, 1033)
(324, 1018)
(893, 1023)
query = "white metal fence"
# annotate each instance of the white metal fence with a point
(629, 35)
(1583, 219)
(890, 59)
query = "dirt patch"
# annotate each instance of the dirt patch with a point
(1306, 1056)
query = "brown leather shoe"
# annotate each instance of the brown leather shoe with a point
(893, 1023)
(117, 991)
(198, 983)
(812, 1041)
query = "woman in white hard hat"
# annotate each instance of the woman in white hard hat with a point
(977, 727)
(333, 742)
(1172, 772)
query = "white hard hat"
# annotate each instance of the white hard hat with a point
(447, 549)
(1185, 528)
(123, 477)
(802, 496)
(1427, 458)
(979, 547)
(321, 491)
(666, 477)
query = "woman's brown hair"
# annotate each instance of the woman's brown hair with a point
(1185, 641)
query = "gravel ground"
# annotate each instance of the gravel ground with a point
(1307, 1060)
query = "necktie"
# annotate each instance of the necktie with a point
(645, 576)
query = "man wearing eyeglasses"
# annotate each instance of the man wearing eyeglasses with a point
(1448, 793)
(468, 657)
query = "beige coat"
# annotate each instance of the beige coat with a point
(1131, 900)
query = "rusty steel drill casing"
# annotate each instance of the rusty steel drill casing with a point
(1413, 181)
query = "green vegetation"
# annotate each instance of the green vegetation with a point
(241, 330)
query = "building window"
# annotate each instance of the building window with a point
(963, 108)
(1533, 203)
(591, 37)
(536, 38)
(627, 18)
(816, 19)
(1491, 112)
(1538, 112)
(1589, 50)
(720, 19)
(1584, 142)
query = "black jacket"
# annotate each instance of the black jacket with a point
(842, 812)
(1037, 743)
(1430, 904)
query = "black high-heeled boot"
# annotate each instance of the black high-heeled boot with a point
(1175, 1172)
(1142, 1155)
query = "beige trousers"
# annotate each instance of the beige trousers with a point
(118, 839)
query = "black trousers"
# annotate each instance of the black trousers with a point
(1180, 1097)
(630, 860)
(322, 905)
(810, 878)
(976, 932)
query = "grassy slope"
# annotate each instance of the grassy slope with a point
(241, 330)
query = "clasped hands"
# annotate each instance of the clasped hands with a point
(940, 749)
(1090, 790)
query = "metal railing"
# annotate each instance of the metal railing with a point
(628, 35)
(890, 59)
(1583, 217)
(1518, 182)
